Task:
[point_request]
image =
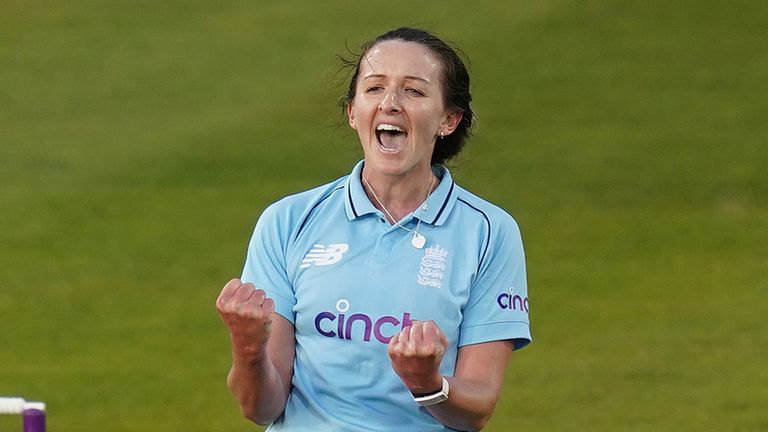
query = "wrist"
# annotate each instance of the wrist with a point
(249, 357)
(425, 386)
(438, 396)
(425, 392)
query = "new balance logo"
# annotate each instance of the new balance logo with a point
(321, 255)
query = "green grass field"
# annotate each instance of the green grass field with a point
(139, 141)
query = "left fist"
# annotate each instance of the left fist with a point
(416, 353)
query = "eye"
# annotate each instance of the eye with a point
(414, 91)
(374, 89)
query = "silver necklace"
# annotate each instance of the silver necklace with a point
(417, 240)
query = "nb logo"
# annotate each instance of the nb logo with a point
(321, 255)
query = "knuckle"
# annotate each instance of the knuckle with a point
(256, 308)
(224, 306)
(392, 351)
(269, 306)
(410, 350)
(230, 286)
(392, 343)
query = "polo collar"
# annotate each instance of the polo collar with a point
(439, 204)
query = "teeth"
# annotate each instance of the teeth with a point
(388, 127)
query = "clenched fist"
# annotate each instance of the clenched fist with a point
(247, 312)
(416, 353)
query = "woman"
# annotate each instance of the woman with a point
(391, 298)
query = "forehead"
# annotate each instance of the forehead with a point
(401, 58)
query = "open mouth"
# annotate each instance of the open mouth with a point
(391, 138)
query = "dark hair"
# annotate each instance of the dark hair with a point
(455, 82)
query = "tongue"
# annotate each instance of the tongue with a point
(392, 141)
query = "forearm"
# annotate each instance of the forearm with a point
(474, 388)
(469, 406)
(258, 387)
(262, 351)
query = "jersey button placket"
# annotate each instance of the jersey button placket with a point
(385, 241)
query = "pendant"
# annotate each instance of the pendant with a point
(418, 241)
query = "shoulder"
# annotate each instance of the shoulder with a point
(494, 215)
(288, 215)
(292, 206)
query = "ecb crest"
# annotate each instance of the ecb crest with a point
(432, 267)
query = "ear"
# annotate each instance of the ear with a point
(351, 115)
(450, 123)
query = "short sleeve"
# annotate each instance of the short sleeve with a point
(265, 263)
(497, 308)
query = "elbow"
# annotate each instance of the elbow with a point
(252, 410)
(470, 424)
(260, 418)
(479, 423)
(483, 415)
(480, 418)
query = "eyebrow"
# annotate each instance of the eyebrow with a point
(408, 77)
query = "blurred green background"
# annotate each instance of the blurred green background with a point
(139, 141)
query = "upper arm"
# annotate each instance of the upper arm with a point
(265, 263)
(485, 363)
(497, 306)
(282, 349)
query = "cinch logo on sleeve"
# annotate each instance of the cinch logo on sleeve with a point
(342, 326)
(321, 255)
(508, 301)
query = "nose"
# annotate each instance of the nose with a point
(390, 104)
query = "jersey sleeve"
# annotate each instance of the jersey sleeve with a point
(497, 308)
(265, 263)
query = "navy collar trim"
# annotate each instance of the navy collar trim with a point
(439, 204)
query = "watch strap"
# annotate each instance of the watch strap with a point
(434, 398)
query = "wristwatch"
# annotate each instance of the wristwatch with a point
(434, 398)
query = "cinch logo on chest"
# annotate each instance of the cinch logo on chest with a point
(344, 328)
(321, 255)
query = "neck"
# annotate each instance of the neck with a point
(395, 196)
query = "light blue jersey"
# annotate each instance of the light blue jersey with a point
(348, 281)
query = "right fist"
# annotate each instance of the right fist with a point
(247, 313)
